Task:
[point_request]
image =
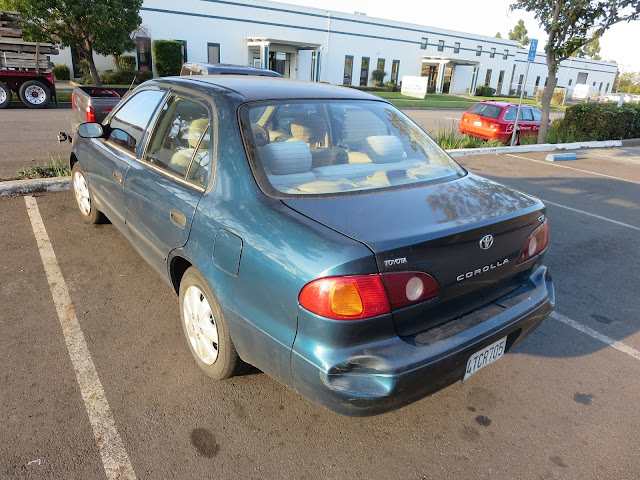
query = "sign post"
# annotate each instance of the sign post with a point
(532, 56)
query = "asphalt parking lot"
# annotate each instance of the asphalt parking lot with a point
(561, 405)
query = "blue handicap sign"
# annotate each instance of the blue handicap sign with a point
(532, 50)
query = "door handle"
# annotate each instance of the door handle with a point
(117, 176)
(179, 218)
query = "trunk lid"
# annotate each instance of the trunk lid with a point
(437, 229)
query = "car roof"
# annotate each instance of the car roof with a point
(502, 103)
(229, 68)
(252, 88)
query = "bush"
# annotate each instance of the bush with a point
(127, 62)
(61, 71)
(431, 89)
(81, 68)
(483, 91)
(167, 56)
(449, 138)
(378, 77)
(600, 121)
(124, 77)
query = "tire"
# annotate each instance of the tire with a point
(84, 199)
(205, 329)
(5, 95)
(35, 94)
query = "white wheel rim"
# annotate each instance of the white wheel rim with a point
(35, 94)
(200, 325)
(81, 190)
(3, 95)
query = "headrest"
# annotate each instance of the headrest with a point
(195, 132)
(383, 148)
(284, 158)
(309, 129)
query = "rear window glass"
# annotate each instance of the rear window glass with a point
(486, 110)
(525, 114)
(336, 147)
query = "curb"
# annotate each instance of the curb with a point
(24, 187)
(542, 147)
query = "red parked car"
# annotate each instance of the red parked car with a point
(495, 120)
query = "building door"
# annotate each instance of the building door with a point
(582, 77)
(213, 52)
(447, 79)
(430, 71)
(143, 51)
(280, 62)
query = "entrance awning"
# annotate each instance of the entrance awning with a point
(431, 60)
(300, 45)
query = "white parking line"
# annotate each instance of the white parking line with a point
(554, 164)
(632, 352)
(114, 456)
(547, 202)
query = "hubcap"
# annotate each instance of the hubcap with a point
(3, 95)
(81, 190)
(200, 324)
(35, 94)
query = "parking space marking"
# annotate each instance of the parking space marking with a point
(632, 352)
(633, 227)
(553, 164)
(114, 456)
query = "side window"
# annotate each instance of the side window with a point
(537, 115)
(181, 141)
(510, 115)
(525, 114)
(129, 122)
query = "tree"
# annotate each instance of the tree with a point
(519, 34)
(378, 77)
(590, 50)
(85, 25)
(572, 24)
(498, 35)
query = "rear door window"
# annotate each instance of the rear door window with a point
(129, 123)
(510, 114)
(181, 140)
(537, 114)
(526, 115)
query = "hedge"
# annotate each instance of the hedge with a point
(127, 62)
(61, 71)
(483, 91)
(600, 121)
(123, 77)
(167, 57)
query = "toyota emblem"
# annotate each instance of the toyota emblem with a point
(486, 242)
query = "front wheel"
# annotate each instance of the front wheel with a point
(84, 200)
(35, 94)
(5, 95)
(205, 328)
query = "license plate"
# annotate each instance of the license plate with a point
(484, 357)
(477, 123)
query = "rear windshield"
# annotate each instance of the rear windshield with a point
(485, 110)
(335, 147)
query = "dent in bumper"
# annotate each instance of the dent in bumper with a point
(331, 366)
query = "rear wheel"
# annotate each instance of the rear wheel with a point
(205, 328)
(5, 95)
(35, 94)
(84, 201)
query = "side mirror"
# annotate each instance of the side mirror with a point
(90, 130)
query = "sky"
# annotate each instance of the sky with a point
(486, 17)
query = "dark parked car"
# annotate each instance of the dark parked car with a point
(317, 233)
(200, 68)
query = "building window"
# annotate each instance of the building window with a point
(395, 68)
(423, 43)
(493, 52)
(487, 78)
(380, 64)
(348, 69)
(520, 81)
(440, 45)
(184, 50)
(545, 81)
(213, 52)
(506, 54)
(364, 72)
(606, 89)
(570, 81)
(594, 84)
(479, 50)
(600, 89)
(456, 47)
(500, 82)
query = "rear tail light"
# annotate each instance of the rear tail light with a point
(408, 288)
(536, 243)
(91, 116)
(73, 105)
(346, 298)
(364, 296)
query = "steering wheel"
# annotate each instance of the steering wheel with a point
(260, 135)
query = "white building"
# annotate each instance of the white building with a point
(341, 48)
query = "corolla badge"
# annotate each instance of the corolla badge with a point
(486, 242)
